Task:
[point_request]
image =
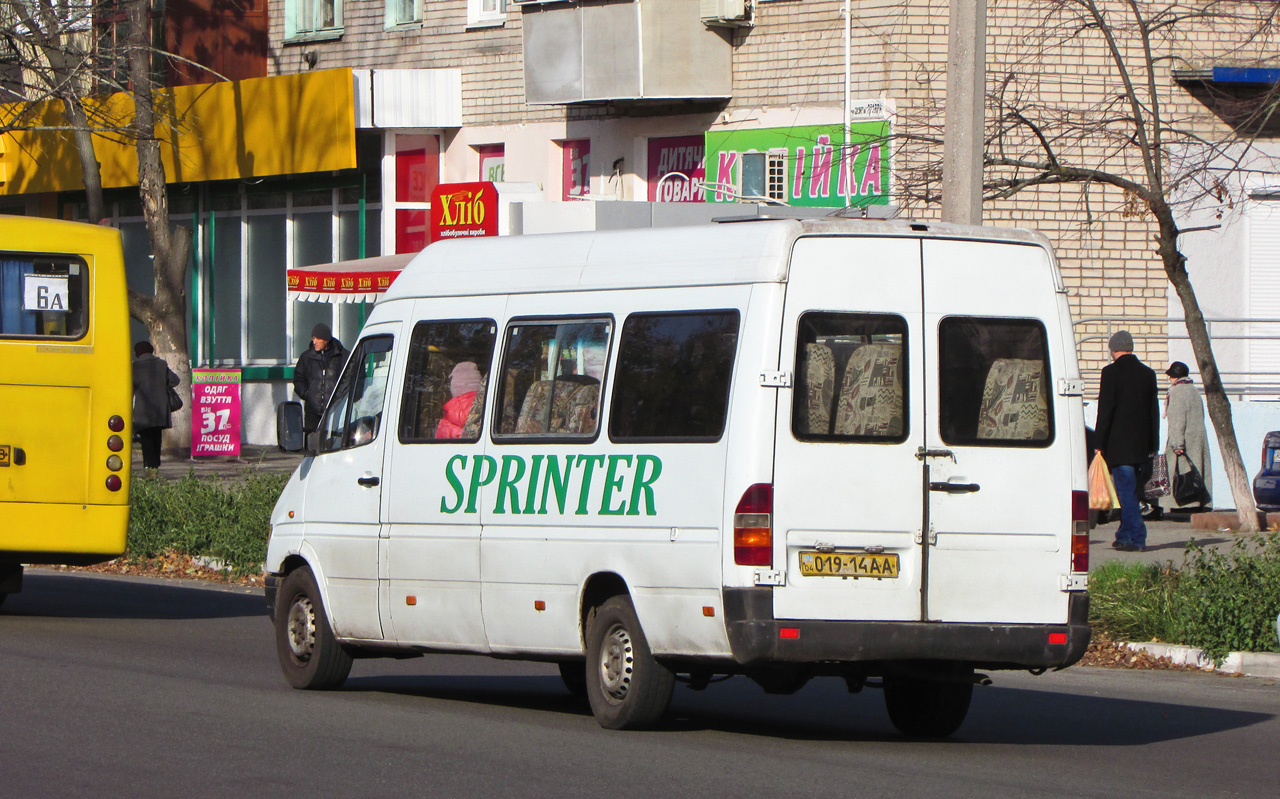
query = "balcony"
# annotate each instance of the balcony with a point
(583, 51)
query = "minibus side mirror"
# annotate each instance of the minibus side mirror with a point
(289, 435)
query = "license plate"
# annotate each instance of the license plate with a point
(848, 564)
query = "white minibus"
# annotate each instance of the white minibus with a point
(775, 448)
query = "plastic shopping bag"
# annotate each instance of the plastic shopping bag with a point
(1102, 489)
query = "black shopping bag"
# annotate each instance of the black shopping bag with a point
(1188, 486)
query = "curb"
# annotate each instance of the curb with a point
(1250, 664)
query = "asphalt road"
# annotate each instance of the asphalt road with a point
(116, 687)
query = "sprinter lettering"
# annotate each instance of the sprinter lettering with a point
(609, 485)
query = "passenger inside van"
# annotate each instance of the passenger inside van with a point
(464, 383)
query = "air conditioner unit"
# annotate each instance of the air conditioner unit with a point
(729, 13)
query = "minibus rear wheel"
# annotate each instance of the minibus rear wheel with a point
(925, 708)
(310, 655)
(627, 688)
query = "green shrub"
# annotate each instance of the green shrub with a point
(227, 519)
(1133, 601)
(1229, 601)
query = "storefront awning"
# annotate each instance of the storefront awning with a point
(346, 281)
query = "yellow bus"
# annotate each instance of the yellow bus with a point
(65, 395)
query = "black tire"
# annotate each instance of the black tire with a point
(573, 674)
(310, 657)
(627, 688)
(928, 708)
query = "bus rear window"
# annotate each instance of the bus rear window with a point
(43, 296)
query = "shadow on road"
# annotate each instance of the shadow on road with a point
(824, 711)
(88, 597)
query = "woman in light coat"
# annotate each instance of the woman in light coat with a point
(1184, 414)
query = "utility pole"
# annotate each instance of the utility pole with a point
(966, 95)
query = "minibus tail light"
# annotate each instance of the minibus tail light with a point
(1079, 531)
(753, 527)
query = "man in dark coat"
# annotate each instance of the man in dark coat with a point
(152, 378)
(1128, 434)
(317, 373)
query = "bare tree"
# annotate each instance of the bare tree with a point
(1140, 137)
(60, 56)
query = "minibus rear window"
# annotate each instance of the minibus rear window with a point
(446, 380)
(43, 296)
(993, 382)
(851, 378)
(673, 376)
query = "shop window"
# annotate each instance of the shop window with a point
(552, 374)
(493, 162)
(417, 171)
(312, 19)
(576, 157)
(446, 380)
(673, 376)
(993, 382)
(851, 378)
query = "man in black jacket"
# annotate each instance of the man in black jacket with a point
(317, 373)
(1128, 433)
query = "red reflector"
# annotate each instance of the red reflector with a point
(789, 632)
(1057, 638)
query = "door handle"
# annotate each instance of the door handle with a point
(367, 482)
(955, 488)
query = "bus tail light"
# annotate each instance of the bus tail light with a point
(115, 424)
(753, 527)
(1079, 531)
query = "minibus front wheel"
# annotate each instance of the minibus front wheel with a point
(627, 688)
(310, 655)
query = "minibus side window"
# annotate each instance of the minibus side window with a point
(552, 375)
(673, 376)
(851, 378)
(446, 380)
(993, 382)
(42, 296)
(354, 416)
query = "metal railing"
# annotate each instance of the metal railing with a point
(1253, 383)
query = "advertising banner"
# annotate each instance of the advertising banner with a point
(215, 412)
(464, 210)
(802, 166)
(676, 169)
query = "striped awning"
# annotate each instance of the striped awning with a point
(361, 280)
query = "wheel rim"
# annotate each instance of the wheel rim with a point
(617, 663)
(301, 629)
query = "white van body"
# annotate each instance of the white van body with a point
(906, 395)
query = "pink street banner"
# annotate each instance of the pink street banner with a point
(215, 412)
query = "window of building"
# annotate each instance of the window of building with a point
(445, 381)
(484, 13)
(312, 19)
(415, 160)
(764, 176)
(354, 416)
(551, 378)
(576, 157)
(851, 378)
(403, 12)
(993, 382)
(42, 297)
(673, 376)
(493, 162)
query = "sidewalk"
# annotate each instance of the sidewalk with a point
(252, 457)
(1166, 541)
